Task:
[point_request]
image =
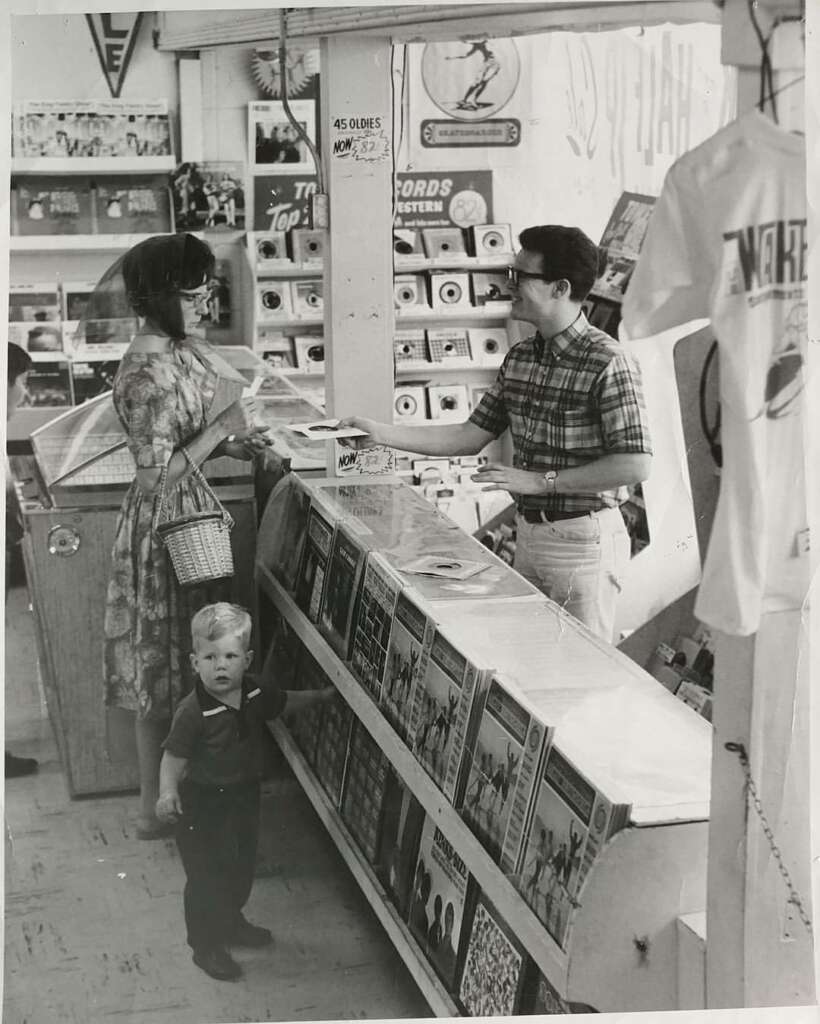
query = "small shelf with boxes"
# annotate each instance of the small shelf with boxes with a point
(288, 298)
(452, 303)
(89, 175)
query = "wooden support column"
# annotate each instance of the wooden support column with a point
(356, 112)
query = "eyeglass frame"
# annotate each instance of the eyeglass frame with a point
(513, 274)
(196, 295)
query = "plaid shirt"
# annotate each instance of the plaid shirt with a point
(567, 402)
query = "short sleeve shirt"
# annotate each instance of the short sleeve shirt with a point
(223, 745)
(568, 400)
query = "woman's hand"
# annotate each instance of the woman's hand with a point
(169, 806)
(247, 449)
(370, 427)
(242, 419)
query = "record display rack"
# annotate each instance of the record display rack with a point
(73, 243)
(548, 955)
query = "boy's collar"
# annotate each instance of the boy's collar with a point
(208, 702)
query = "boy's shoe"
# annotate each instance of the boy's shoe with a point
(247, 934)
(19, 766)
(218, 963)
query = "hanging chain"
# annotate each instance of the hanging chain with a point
(751, 788)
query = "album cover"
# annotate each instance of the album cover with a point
(307, 245)
(446, 686)
(489, 288)
(133, 205)
(402, 822)
(437, 902)
(310, 352)
(365, 789)
(91, 128)
(409, 348)
(34, 303)
(332, 747)
(495, 965)
(282, 202)
(48, 384)
(274, 141)
(449, 290)
(410, 402)
(491, 240)
(306, 726)
(341, 588)
(449, 346)
(570, 823)
(504, 766)
(622, 239)
(374, 619)
(448, 402)
(410, 638)
(75, 296)
(313, 564)
(286, 517)
(52, 206)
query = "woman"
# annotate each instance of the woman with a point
(163, 391)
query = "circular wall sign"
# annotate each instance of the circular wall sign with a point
(471, 80)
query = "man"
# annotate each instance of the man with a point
(19, 363)
(573, 403)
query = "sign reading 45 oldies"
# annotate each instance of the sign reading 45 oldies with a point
(444, 199)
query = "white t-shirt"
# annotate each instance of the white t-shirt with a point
(727, 239)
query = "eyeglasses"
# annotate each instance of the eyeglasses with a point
(513, 275)
(196, 295)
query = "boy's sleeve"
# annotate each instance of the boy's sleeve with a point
(183, 736)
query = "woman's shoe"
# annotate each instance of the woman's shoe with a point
(155, 830)
(19, 766)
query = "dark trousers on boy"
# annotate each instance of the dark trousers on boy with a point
(217, 837)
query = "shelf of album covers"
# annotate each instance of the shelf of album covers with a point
(92, 165)
(438, 999)
(72, 243)
(547, 954)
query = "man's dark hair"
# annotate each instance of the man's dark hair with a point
(566, 253)
(19, 361)
(155, 270)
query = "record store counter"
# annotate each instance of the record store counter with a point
(496, 777)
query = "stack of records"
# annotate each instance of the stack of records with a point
(410, 638)
(283, 530)
(314, 561)
(306, 727)
(332, 747)
(402, 822)
(341, 588)
(495, 968)
(381, 587)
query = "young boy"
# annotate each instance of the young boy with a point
(209, 783)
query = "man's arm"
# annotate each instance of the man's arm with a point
(171, 771)
(444, 439)
(604, 474)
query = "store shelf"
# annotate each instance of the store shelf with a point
(73, 243)
(288, 269)
(406, 372)
(411, 316)
(549, 956)
(416, 264)
(93, 165)
(284, 325)
(397, 930)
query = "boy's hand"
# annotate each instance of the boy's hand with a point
(169, 807)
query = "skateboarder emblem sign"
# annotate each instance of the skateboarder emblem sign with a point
(471, 80)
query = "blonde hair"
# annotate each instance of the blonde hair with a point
(221, 619)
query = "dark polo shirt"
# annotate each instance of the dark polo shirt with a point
(223, 746)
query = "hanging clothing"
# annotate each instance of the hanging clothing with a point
(727, 239)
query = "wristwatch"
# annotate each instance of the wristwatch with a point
(551, 480)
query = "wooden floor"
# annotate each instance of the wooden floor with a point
(93, 917)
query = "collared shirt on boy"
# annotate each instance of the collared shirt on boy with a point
(567, 400)
(224, 745)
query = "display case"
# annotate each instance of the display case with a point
(623, 767)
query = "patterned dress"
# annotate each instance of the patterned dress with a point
(161, 399)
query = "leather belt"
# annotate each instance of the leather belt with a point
(539, 515)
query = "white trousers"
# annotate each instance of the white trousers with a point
(579, 563)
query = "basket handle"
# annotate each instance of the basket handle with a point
(196, 472)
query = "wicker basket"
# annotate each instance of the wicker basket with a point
(199, 544)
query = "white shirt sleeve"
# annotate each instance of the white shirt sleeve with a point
(672, 281)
